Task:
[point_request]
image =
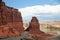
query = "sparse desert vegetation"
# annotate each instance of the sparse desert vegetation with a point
(48, 27)
(51, 27)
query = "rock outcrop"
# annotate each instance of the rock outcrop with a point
(11, 23)
(35, 32)
(34, 26)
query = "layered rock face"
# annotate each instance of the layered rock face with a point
(11, 23)
(35, 32)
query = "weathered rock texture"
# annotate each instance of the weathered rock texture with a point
(11, 23)
(35, 32)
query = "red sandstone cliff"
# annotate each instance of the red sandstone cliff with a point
(11, 23)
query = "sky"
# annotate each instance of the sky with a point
(44, 10)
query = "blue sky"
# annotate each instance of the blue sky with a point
(44, 10)
(25, 3)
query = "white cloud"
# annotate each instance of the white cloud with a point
(47, 10)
